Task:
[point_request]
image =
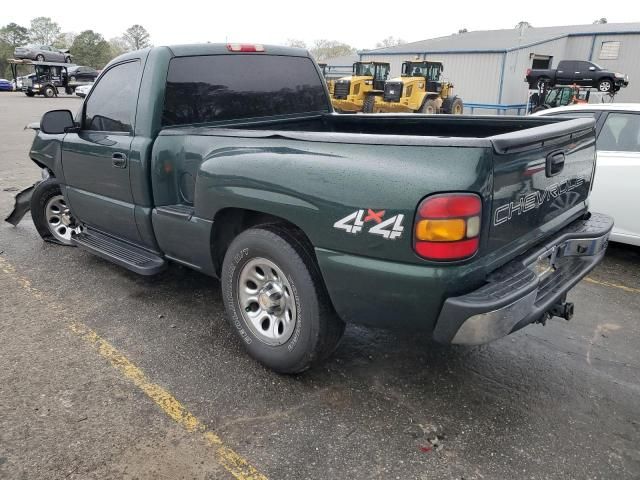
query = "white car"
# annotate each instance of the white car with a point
(83, 90)
(616, 184)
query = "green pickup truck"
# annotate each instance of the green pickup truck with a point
(229, 159)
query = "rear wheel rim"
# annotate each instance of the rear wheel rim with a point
(60, 222)
(265, 299)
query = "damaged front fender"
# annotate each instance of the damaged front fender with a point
(22, 205)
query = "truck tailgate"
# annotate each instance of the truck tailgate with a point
(542, 178)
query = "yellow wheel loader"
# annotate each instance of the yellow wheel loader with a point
(357, 92)
(419, 89)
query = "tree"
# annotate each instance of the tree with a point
(43, 30)
(390, 42)
(600, 21)
(118, 46)
(14, 35)
(137, 37)
(522, 25)
(294, 42)
(324, 49)
(91, 49)
(64, 40)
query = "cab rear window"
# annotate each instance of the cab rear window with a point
(204, 89)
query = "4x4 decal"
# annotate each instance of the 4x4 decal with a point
(391, 228)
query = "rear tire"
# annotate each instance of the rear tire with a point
(29, 94)
(453, 106)
(369, 104)
(541, 82)
(50, 213)
(67, 59)
(40, 58)
(49, 92)
(290, 287)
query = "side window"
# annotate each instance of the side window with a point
(620, 133)
(112, 103)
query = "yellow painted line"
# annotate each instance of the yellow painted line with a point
(612, 285)
(234, 463)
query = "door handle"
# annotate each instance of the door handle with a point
(119, 160)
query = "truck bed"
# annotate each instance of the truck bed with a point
(397, 129)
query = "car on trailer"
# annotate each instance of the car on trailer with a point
(42, 53)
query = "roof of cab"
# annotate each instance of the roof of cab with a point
(221, 48)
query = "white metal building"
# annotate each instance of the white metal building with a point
(488, 67)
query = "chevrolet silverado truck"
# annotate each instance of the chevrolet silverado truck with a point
(228, 159)
(578, 72)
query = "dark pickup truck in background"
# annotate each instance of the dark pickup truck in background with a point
(578, 72)
(228, 159)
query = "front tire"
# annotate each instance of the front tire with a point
(276, 301)
(369, 104)
(40, 58)
(429, 107)
(605, 85)
(50, 213)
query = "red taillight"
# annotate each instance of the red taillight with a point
(244, 47)
(447, 226)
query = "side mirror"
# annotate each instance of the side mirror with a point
(592, 69)
(56, 122)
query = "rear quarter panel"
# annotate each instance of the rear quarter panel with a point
(314, 184)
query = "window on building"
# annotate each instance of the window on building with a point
(541, 62)
(609, 50)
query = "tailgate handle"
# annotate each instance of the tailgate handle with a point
(555, 163)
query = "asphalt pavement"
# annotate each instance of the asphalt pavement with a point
(105, 374)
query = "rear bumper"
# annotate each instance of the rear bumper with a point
(516, 294)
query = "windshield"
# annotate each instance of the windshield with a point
(429, 70)
(364, 69)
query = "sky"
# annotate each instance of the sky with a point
(276, 21)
